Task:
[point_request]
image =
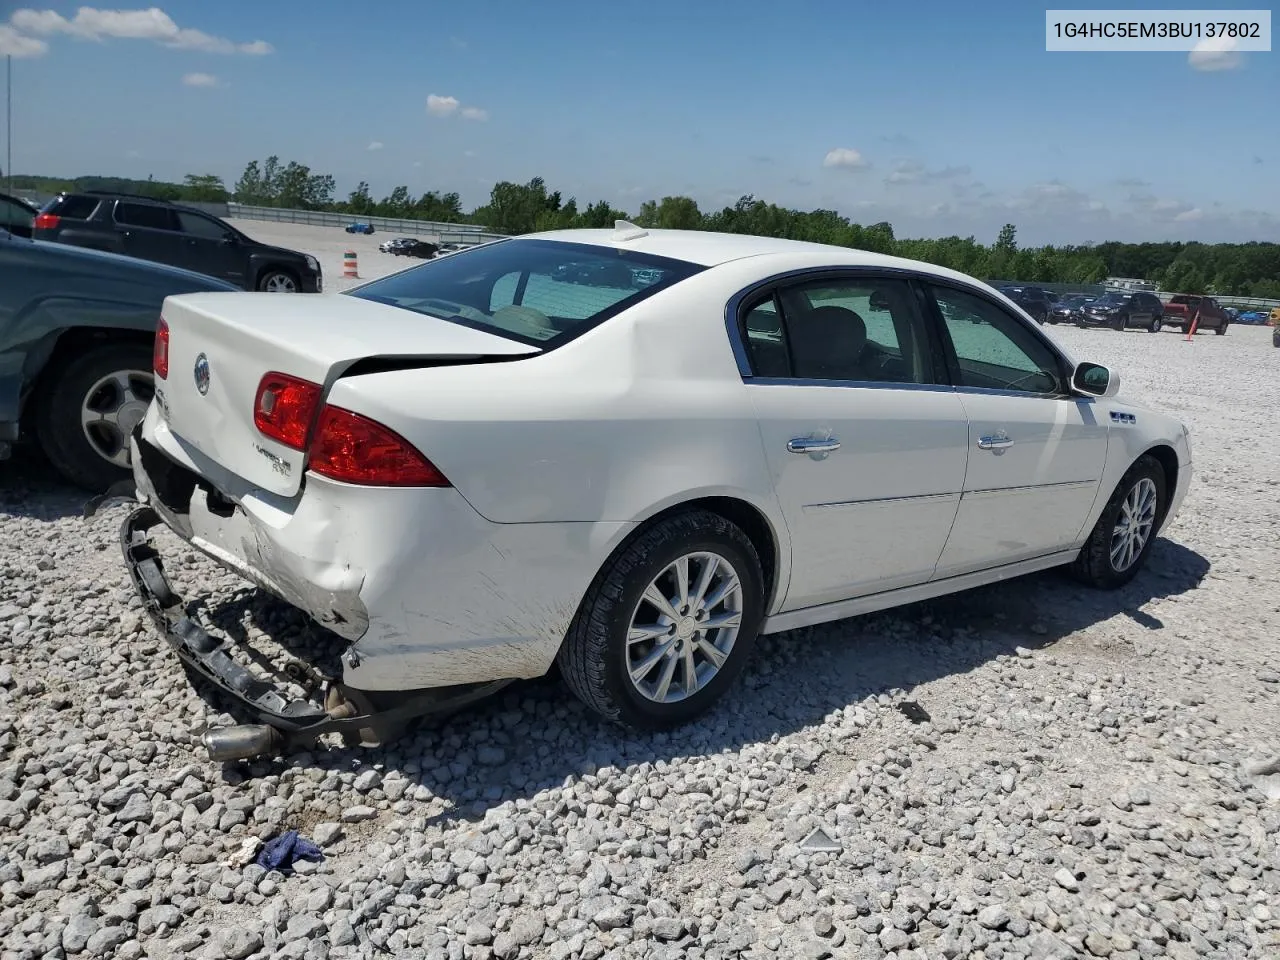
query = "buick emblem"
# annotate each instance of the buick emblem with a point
(202, 374)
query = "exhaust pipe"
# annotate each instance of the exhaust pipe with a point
(242, 742)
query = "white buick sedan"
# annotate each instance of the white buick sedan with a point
(626, 451)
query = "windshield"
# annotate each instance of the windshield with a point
(1076, 301)
(1112, 298)
(540, 292)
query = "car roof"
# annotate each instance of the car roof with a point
(709, 249)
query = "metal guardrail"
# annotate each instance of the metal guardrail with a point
(445, 232)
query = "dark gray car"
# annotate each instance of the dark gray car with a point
(77, 329)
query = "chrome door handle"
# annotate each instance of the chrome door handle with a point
(809, 445)
(999, 442)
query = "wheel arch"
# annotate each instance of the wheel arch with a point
(66, 344)
(762, 530)
(1167, 457)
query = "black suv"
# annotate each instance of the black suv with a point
(1031, 299)
(180, 236)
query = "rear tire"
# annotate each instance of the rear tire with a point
(1156, 324)
(1137, 507)
(93, 382)
(1221, 329)
(618, 630)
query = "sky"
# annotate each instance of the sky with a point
(942, 118)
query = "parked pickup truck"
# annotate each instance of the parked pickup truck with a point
(1183, 308)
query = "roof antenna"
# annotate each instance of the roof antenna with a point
(624, 230)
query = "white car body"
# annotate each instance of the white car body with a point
(554, 458)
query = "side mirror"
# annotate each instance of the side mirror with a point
(1095, 380)
(230, 240)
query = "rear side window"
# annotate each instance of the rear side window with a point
(540, 292)
(73, 208)
(146, 215)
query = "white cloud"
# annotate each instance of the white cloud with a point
(376, 145)
(845, 158)
(15, 44)
(1218, 53)
(439, 106)
(200, 80)
(1187, 216)
(151, 24)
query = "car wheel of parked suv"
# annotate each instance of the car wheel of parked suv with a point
(87, 409)
(278, 281)
(1156, 324)
(1221, 329)
(1122, 538)
(668, 623)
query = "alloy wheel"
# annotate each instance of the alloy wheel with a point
(683, 629)
(111, 409)
(1134, 524)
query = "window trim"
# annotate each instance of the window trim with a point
(952, 358)
(946, 368)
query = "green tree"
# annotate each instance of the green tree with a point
(206, 187)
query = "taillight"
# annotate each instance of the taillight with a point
(284, 408)
(355, 449)
(160, 351)
(45, 221)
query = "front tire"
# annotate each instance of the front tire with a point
(1156, 324)
(88, 408)
(1221, 330)
(668, 623)
(278, 281)
(1121, 540)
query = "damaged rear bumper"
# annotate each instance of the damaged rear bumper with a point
(284, 723)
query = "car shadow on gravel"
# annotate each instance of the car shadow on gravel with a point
(30, 487)
(793, 680)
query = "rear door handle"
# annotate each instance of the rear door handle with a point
(997, 442)
(810, 445)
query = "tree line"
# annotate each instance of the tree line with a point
(1230, 269)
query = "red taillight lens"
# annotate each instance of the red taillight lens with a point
(160, 351)
(355, 449)
(45, 221)
(284, 408)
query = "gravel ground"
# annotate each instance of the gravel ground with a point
(1085, 784)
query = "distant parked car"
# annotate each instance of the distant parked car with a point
(360, 228)
(1184, 309)
(16, 215)
(1120, 311)
(1253, 316)
(410, 247)
(176, 235)
(77, 329)
(1069, 310)
(422, 249)
(1031, 299)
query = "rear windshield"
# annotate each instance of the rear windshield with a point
(540, 292)
(73, 207)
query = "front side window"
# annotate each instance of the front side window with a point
(995, 350)
(541, 292)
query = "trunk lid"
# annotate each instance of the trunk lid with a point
(242, 336)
